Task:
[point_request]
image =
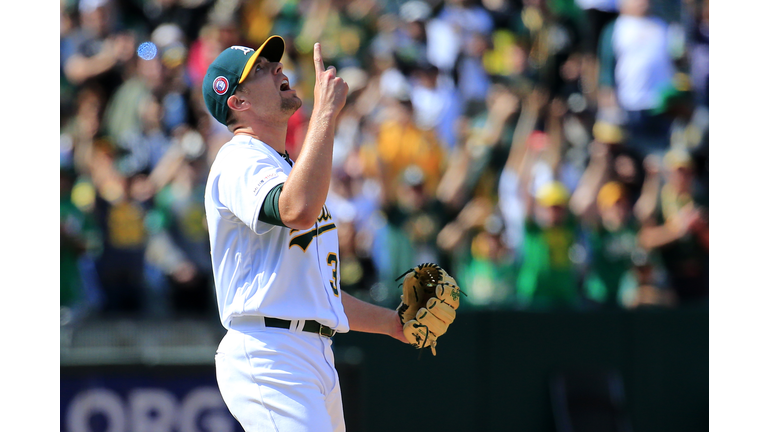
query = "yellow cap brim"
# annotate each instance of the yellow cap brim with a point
(272, 49)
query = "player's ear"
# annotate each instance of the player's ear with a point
(237, 103)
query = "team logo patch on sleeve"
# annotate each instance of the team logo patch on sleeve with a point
(220, 85)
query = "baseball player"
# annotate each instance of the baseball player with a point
(274, 247)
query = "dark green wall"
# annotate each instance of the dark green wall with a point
(493, 369)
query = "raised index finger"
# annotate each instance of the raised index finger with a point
(319, 65)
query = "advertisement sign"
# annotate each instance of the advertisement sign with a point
(143, 401)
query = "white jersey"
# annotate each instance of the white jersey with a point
(263, 269)
(643, 63)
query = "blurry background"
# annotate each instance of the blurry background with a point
(551, 154)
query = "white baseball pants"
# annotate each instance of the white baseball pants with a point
(279, 380)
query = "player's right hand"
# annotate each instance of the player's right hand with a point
(330, 90)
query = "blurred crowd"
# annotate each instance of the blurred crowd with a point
(550, 154)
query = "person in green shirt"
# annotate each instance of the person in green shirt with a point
(678, 229)
(486, 271)
(78, 236)
(612, 241)
(548, 276)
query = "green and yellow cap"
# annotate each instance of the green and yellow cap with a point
(607, 132)
(609, 194)
(552, 194)
(230, 69)
(677, 158)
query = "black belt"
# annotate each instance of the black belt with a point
(311, 326)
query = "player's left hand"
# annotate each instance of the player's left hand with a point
(429, 302)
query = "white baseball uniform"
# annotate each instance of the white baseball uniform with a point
(272, 379)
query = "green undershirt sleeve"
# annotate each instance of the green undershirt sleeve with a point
(270, 210)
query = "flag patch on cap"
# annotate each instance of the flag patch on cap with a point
(220, 85)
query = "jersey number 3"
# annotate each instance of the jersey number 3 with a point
(333, 261)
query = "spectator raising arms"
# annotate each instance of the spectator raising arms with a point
(521, 142)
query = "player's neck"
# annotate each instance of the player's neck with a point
(270, 134)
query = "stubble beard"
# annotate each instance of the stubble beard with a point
(290, 105)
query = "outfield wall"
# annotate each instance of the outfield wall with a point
(493, 372)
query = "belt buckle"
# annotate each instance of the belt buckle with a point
(326, 331)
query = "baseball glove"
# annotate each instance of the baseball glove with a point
(428, 304)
